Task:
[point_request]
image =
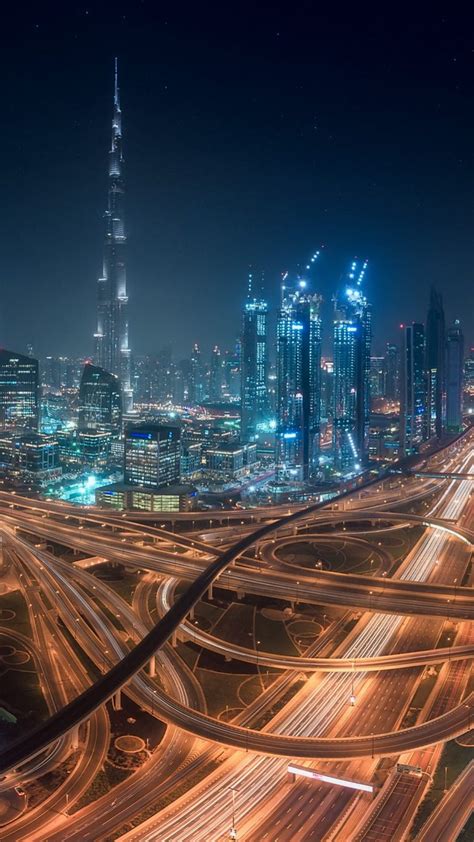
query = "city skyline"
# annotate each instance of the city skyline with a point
(172, 213)
(236, 423)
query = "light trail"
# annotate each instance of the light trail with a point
(257, 778)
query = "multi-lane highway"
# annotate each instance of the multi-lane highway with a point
(316, 722)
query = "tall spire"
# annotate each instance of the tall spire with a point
(112, 351)
(116, 87)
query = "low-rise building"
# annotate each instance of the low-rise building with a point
(169, 498)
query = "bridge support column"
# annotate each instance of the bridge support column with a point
(75, 738)
(174, 639)
(240, 593)
(191, 613)
(152, 667)
(118, 700)
(210, 591)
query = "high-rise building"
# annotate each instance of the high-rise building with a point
(38, 458)
(377, 377)
(454, 378)
(231, 385)
(352, 336)
(468, 400)
(298, 383)
(19, 392)
(392, 373)
(152, 455)
(112, 350)
(196, 392)
(215, 376)
(327, 388)
(435, 363)
(100, 401)
(413, 410)
(253, 366)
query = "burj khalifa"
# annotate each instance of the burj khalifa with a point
(112, 350)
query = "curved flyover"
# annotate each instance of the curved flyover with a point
(447, 726)
(398, 660)
(322, 587)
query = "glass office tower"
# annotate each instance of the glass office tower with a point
(298, 383)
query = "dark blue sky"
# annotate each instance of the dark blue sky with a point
(251, 137)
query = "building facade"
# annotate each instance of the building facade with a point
(413, 410)
(392, 373)
(19, 393)
(352, 337)
(254, 368)
(298, 384)
(435, 364)
(100, 401)
(454, 378)
(152, 455)
(112, 351)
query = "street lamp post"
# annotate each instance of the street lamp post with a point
(468, 706)
(352, 697)
(233, 830)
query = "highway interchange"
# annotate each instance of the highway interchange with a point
(397, 634)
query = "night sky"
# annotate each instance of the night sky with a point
(251, 137)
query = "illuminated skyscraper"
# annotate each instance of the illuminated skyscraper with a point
(413, 410)
(377, 377)
(254, 366)
(454, 378)
(19, 392)
(352, 336)
(215, 376)
(468, 400)
(152, 455)
(196, 378)
(392, 373)
(435, 363)
(232, 373)
(112, 351)
(298, 383)
(100, 401)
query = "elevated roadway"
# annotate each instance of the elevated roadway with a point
(320, 588)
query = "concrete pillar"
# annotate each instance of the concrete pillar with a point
(152, 667)
(118, 700)
(191, 613)
(75, 738)
(210, 591)
(174, 639)
(240, 593)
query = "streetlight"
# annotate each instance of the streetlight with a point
(233, 830)
(352, 697)
(468, 706)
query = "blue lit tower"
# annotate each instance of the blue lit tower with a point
(112, 352)
(413, 409)
(352, 336)
(298, 382)
(454, 378)
(435, 362)
(254, 366)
